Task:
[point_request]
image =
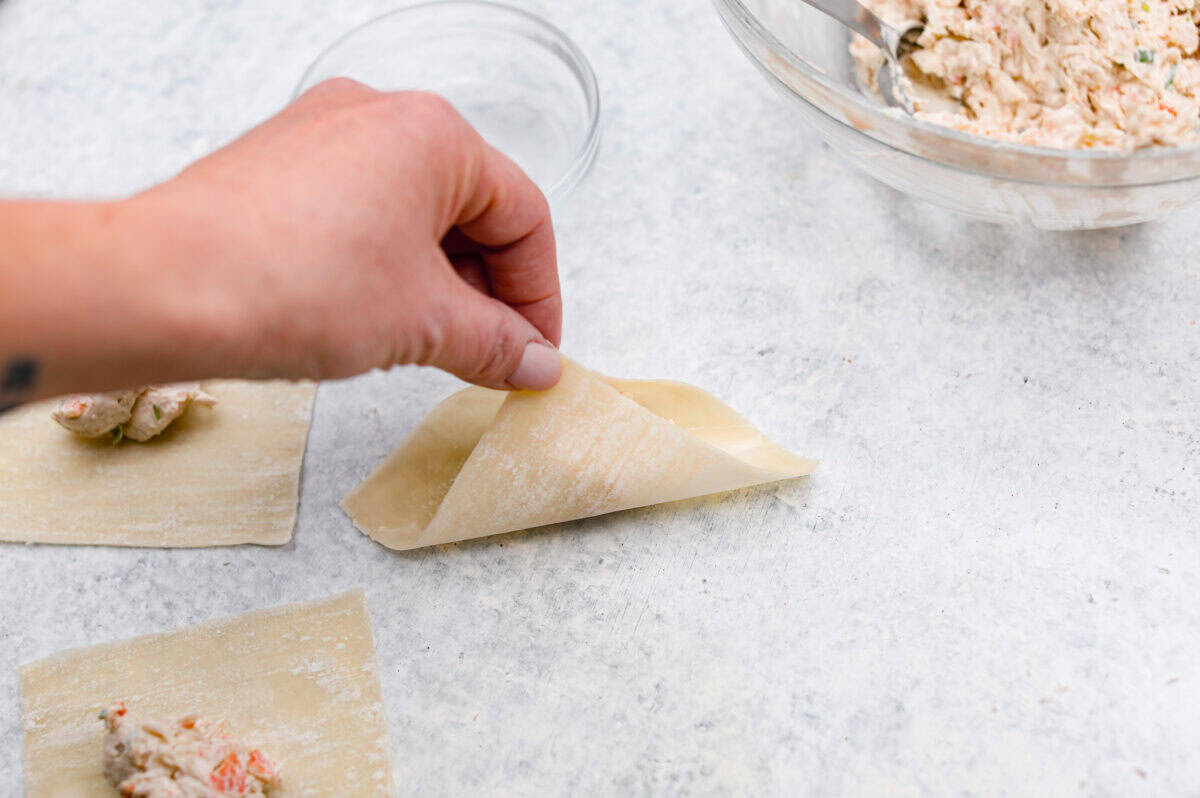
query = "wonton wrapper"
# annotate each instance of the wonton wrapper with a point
(485, 462)
(215, 477)
(300, 682)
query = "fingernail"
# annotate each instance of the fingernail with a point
(539, 369)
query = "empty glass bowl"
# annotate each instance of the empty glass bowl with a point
(519, 80)
(804, 54)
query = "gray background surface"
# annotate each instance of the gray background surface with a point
(990, 585)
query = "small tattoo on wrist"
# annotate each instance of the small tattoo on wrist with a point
(18, 378)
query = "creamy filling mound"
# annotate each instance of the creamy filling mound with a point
(189, 758)
(138, 414)
(1088, 74)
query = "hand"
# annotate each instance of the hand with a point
(360, 229)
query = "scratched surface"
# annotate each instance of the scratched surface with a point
(990, 585)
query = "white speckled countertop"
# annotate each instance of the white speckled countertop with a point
(991, 585)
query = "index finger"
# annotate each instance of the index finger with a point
(507, 215)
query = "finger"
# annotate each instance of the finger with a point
(508, 217)
(499, 210)
(468, 258)
(481, 340)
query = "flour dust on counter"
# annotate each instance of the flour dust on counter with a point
(485, 462)
(300, 681)
(209, 479)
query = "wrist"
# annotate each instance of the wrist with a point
(84, 301)
(170, 245)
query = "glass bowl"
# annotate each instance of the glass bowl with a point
(804, 55)
(525, 86)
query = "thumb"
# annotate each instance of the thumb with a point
(486, 342)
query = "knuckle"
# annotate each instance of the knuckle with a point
(432, 129)
(426, 104)
(426, 117)
(335, 87)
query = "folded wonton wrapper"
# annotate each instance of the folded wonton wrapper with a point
(485, 462)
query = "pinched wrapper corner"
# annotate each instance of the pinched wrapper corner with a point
(486, 462)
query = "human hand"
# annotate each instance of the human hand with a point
(360, 229)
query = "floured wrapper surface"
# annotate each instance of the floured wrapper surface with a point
(301, 681)
(216, 478)
(486, 462)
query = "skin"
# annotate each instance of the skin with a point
(354, 230)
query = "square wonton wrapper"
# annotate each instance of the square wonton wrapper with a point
(213, 478)
(300, 682)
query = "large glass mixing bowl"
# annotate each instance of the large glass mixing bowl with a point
(804, 54)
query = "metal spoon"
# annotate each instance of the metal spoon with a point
(895, 44)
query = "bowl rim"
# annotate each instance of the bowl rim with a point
(565, 49)
(1156, 154)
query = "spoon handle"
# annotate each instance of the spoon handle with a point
(860, 19)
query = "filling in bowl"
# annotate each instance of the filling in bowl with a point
(1088, 74)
